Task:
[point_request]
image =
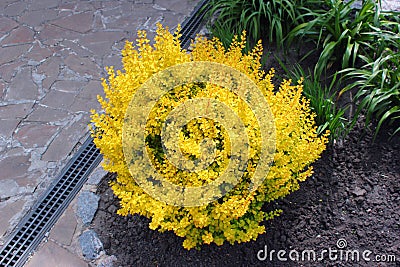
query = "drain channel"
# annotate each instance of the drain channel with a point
(191, 25)
(50, 206)
(32, 229)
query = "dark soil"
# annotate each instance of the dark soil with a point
(354, 195)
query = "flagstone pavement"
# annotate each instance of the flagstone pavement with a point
(53, 54)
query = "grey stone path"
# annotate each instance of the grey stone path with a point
(53, 55)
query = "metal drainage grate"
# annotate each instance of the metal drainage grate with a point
(192, 24)
(50, 206)
(33, 228)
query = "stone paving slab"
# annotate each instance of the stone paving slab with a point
(51, 255)
(9, 209)
(391, 5)
(65, 228)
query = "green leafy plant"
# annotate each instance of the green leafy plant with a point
(378, 88)
(270, 18)
(344, 37)
(342, 32)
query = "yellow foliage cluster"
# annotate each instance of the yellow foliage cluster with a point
(237, 216)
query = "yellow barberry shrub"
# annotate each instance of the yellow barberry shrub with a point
(237, 216)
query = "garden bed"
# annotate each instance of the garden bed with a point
(353, 195)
